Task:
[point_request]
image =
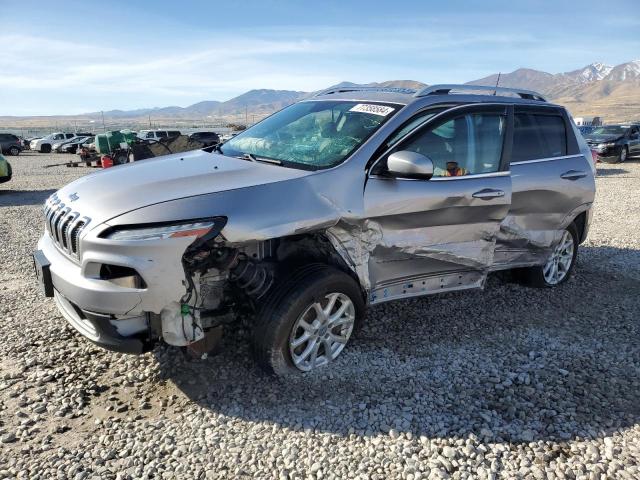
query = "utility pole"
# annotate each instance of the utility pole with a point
(150, 121)
(246, 115)
(104, 128)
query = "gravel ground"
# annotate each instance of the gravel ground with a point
(508, 382)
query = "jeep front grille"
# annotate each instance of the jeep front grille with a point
(64, 225)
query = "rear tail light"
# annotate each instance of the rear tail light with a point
(594, 156)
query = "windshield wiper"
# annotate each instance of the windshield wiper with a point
(251, 157)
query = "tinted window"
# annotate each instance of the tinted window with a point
(538, 136)
(466, 145)
(174, 133)
(161, 134)
(149, 134)
(58, 137)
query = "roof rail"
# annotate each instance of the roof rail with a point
(445, 89)
(329, 91)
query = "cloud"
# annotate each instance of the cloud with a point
(162, 68)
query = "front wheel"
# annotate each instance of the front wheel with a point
(307, 321)
(624, 153)
(15, 151)
(558, 268)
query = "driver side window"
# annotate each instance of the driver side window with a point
(465, 145)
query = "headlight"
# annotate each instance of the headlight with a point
(200, 228)
(606, 145)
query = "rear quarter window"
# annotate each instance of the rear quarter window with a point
(538, 136)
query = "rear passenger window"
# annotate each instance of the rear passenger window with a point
(538, 136)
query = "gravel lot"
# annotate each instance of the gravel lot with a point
(508, 382)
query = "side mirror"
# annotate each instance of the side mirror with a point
(406, 164)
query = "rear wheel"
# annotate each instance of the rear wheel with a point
(307, 321)
(560, 265)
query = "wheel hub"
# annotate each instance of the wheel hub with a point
(558, 265)
(320, 334)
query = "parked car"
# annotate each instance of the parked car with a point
(614, 143)
(347, 199)
(45, 144)
(586, 129)
(85, 142)
(227, 136)
(70, 146)
(27, 142)
(5, 170)
(157, 134)
(10, 143)
(207, 138)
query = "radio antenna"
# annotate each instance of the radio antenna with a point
(497, 82)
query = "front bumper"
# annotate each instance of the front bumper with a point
(609, 154)
(103, 331)
(114, 316)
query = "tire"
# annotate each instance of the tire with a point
(624, 154)
(290, 304)
(45, 148)
(535, 276)
(15, 151)
(120, 159)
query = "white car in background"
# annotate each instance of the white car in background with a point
(44, 144)
(158, 134)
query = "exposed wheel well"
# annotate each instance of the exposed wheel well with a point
(300, 250)
(581, 222)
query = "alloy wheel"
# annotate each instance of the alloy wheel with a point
(558, 266)
(320, 334)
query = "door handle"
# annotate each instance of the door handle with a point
(488, 193)
(573, 175)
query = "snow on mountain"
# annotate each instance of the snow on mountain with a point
(625, 71)
(591, 73)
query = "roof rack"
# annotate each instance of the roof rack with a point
(445, 89)
(329, 91)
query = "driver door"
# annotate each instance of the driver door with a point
(439, 234)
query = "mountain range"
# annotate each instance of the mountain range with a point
(612, 92)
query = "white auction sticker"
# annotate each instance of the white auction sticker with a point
(381, 110)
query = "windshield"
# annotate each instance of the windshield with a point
(311, 135)
(609, 130)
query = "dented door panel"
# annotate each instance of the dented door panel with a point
(434, 227)
(543, 204)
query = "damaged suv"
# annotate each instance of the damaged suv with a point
(350, 198)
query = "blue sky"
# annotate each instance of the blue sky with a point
(68, 57)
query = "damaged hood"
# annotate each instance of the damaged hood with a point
(116, 191)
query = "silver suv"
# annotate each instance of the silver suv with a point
(347, 199)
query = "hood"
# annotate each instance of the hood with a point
(118, 190)
(602, 138)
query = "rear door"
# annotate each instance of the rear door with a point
(439, 234)
(551, 181)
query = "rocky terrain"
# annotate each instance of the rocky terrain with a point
(509, 382)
